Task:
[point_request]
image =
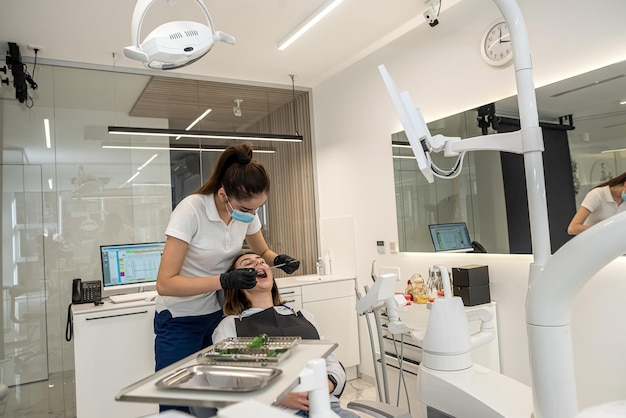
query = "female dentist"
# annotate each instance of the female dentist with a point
(205, 233)
(600, 203)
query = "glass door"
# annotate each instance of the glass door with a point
(23, 344)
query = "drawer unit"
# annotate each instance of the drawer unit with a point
(331, 290)
(292, 297)
(332, 302)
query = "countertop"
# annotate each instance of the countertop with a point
(282, 283)
(309, 279)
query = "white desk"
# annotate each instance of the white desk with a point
(146, 391)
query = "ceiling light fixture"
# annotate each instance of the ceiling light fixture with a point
(150, 148)
(308, 23)
(198, 119)
(245, 136)
(46, 128)
(129, 180)
(613, 150)
(147, 162)
(622, 102)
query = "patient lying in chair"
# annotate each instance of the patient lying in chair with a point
(260, 310)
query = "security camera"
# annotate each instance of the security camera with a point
(431, 17)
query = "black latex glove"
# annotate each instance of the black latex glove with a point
(291, 266)
(239, 279)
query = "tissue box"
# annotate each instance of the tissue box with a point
(470, 275)
(473, 295)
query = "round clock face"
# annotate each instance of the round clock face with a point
(496, 46)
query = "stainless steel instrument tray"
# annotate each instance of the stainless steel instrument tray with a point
(219, 378)
(235, 351)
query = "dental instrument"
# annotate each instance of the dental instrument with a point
(260, 272)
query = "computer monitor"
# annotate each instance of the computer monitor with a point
(127, 266)
(451, 237)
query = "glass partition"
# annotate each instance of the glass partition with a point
(67, 192)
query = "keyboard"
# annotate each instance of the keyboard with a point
(131, 297)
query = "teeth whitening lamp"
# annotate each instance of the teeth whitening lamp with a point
(554, 281)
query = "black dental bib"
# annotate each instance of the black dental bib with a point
(274, 324)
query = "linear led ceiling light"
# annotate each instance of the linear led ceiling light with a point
(308, 23)
(154, 148)
(46, 128)
(198, 119)
(245, 136)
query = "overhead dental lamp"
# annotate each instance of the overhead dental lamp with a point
(173, 44)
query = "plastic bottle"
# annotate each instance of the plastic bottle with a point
(319, 266)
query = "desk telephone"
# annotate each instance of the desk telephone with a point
(86, 292)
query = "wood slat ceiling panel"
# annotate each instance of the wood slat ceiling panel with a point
(181, 101)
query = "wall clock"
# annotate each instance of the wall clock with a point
(495, 46)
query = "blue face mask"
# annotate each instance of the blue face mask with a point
(624, 196)
(238, 215)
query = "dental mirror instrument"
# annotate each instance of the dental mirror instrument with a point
(260, 272)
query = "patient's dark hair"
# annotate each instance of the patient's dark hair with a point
(236, 301)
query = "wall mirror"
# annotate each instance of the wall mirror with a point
(593, 103)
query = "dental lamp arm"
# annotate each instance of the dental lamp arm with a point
(487, 331)
(549, 306)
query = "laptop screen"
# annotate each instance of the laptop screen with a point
(451, 237)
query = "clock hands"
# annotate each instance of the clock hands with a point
(500, 38)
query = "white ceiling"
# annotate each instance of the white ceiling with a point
(95, 33)
(92, 32)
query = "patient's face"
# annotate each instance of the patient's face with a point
(264, 278)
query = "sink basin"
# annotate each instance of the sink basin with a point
(309, 279)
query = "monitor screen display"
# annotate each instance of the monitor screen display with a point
(451, 237)
(130, 265)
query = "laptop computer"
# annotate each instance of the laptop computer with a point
(451, 237)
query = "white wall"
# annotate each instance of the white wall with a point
(442, 69)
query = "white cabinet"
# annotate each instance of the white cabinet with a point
(292, 297)
(332, 301)
(113, 347)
